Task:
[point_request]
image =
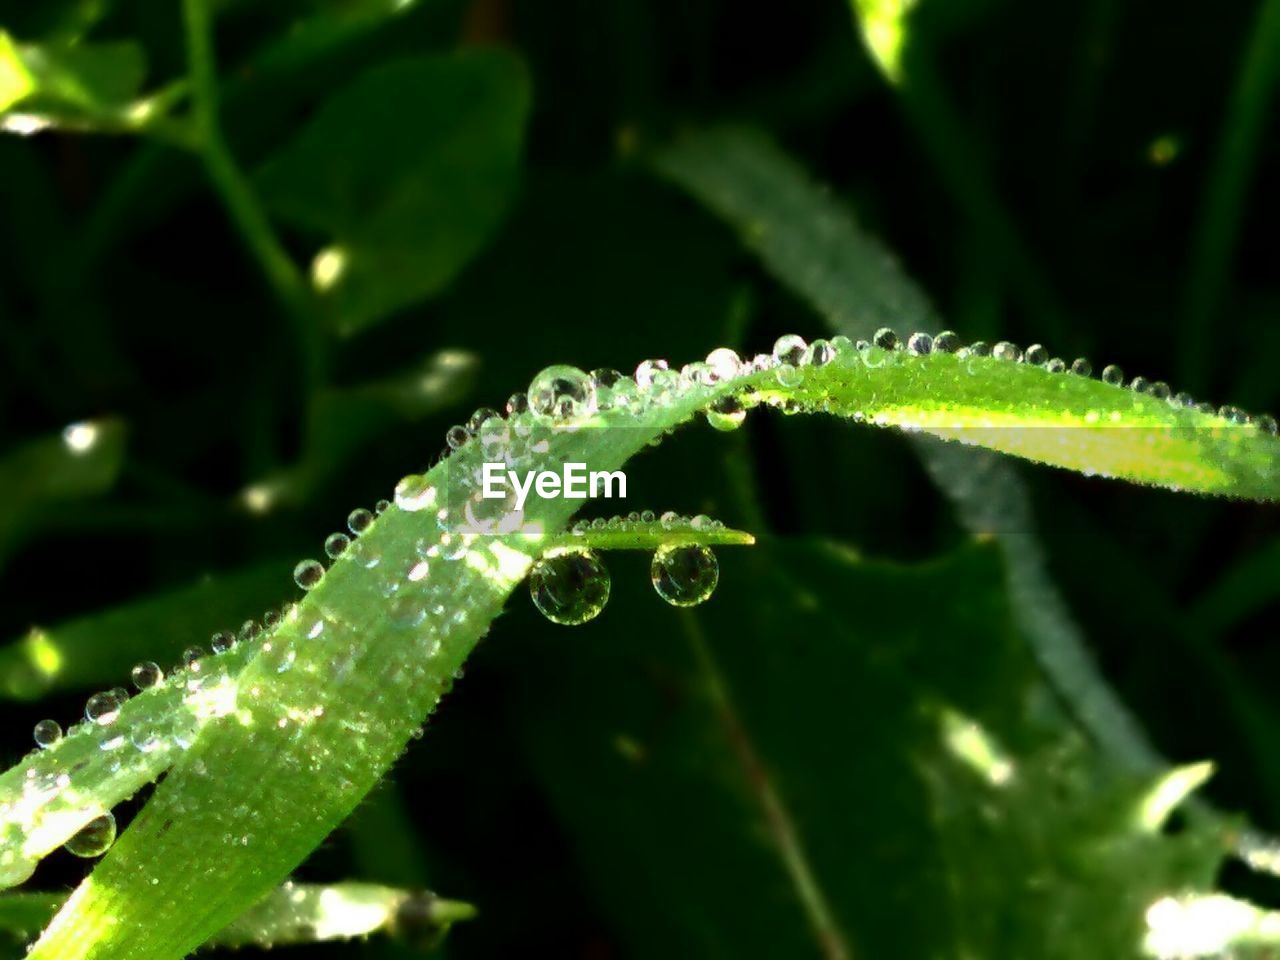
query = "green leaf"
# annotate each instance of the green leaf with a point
(406, 173)
(829, 750)
(74, 85)
(99, 649)
(279, 738)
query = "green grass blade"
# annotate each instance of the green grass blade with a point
(327, 700)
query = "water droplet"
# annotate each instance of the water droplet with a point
(562, 393)
(789, 350)
(787, 375)
(1160, 390)
(948, 341)
(359, 520)
(94, 838)
(334, 544)
(1004, 350)
(46, 733)
(684, 575)
(191, 656)
(1081, 367)
(920, 344)
(148, 674)
(307, 574)
(456, 436)
(415, 492)
(1184, 399)
(569, 586)
(979, 348)
(1055, 365)
(727, 413)
(647, 516)
(885, 338)
(248, 630)
(517, 403)
(723, 364)
(1139, 384)
(1266, 423)
(481, 417)
(1112, 375)
(654, 377)
(1037, 354)
(222, 641)
(102, 708)
(819, 354)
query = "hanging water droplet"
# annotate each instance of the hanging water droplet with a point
(46, 733)
(727, 413)
(1112, 375)
(948, 341)
(415, 492)
(723, 364)
(1081, 367)
(1036, 354)
(334, 544)
(789, 350)
(562, 393)
(101, 708)
(148, 673)
(569, 586)
(920, 344)
(359, 520)
(684, 575)
(94, 838)
(307, 574)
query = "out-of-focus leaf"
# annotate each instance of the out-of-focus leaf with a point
(82, 462)
(100, 648)
(828, 752)
(405, 173)
(55, 84)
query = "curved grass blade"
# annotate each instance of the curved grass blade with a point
(330, 697)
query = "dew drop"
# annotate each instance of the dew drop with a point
(334, 544)
(1160, 390)
(94, 838)
(569, 586)
(480, 418)
(1081, 367)
(562, 393)
(191, 656)
(1266, 423)
(248, 630)
(920, 344)
(1184, 399)
(456, 436)
(885, 338)
(381, 507)
(307, 574)
(979, 348)
(415, 492)
(1004, 350)
(46, 733)
(359, 520)
(723, 364)
(727, 413)
(787, 375)
(101, 708)
(1055, 365)
(221, 642)
(1113, 375)
(1037, 354)
(517, 403)
(948, 341)
(789, 350)
(684, 575)
(148, 674)
(819, 354)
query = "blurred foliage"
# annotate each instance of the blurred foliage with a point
(1056, 172)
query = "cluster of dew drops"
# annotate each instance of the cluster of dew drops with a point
(570, 584)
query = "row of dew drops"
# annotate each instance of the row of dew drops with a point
(570, 584)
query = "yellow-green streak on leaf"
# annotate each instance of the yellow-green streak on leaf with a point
(15, 79)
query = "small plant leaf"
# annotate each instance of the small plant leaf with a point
(404, 174)
(78, 85)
